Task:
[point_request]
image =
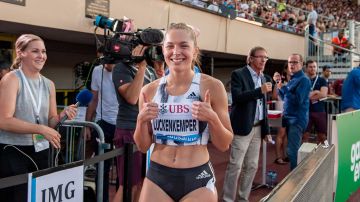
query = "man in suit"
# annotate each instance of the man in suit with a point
(249, 122)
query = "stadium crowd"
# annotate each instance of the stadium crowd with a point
(288, 15)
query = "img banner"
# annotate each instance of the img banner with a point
(63, 183)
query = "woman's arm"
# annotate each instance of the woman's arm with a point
(147, 111)
(9, 87)
(53, 117)
(215, 112)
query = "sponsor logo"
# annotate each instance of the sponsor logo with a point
(203, 175)
(355, 160)
(192, 96)
(183, 139)
(163, 109)
(173, 108)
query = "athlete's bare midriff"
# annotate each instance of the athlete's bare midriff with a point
(180, 156)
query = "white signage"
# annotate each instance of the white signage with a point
(63, 185)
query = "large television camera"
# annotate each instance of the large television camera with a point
(118, 44)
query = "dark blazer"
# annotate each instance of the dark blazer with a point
(244, 96)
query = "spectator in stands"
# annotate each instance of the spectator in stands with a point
(249, 91)
(320, 26)
(342, 42)
(229, 4)
(243, 8)
(214, 6)
(291, 25)
(28, 116)
(300, 26)
(301, 17)
(312, 19)
(281, 6)
(249, 14)
(103, 109)
(128, 80)
(329, 12)
(179, 168)
(269, 20)
(296, 106)
(187, 1)
(317, 114)
(4, 68)
(199, 3)
(351, 91)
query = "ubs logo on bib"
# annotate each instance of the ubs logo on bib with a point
(174, 108)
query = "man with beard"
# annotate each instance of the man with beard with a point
(317, 114)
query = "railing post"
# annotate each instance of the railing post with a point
(128, 158)
(306, 35)
(101, 148)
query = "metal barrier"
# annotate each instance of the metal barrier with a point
(311, 181)
(101, 147)
(23, 178)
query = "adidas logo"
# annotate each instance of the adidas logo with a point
(203, 175)
(192, 96)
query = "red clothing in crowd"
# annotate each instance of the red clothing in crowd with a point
(338, 86)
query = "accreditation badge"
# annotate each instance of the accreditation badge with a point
(40, 143)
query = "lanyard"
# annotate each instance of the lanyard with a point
(313, 86)
(38, 105)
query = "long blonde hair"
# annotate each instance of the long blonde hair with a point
(188, 29)
(21, 44)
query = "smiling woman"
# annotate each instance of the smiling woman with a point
(182, 116)
(27, 115)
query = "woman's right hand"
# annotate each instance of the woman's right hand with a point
(149, 111)
(51, 135)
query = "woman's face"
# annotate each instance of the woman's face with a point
(34, 56)
(179, 49)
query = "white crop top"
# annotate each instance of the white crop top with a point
(175, 125)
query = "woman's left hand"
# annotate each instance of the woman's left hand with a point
(70, 111)
(203, 111)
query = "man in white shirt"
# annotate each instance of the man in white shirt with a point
(312, 19)
(103, 109)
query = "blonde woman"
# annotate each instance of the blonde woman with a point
(179, 115)
(27, 115)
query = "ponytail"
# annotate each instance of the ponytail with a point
(16, 63)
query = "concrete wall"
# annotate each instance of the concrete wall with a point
(217, 33)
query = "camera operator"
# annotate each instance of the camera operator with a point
(128, 79)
